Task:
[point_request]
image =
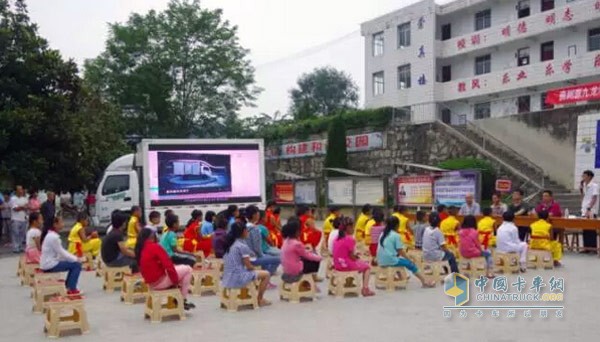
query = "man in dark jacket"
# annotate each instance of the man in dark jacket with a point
(48, 210)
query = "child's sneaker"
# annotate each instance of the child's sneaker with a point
(271, 286)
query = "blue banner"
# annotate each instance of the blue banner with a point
(450, 188)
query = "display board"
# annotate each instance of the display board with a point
(414, 190)
(283, 192)
(340, 192)
(369, 191)
(305, 192)
(450, 188)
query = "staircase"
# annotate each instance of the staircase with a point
(567, 198)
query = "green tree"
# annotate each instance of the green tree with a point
(337, 155)
(177, 73)
(324, 91)
(53, 133)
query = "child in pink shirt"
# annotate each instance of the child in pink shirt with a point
(344, 257)
(295, 259)
(469, 245)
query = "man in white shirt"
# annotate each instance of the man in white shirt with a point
(589, 206)
(507, 239)
(18, 216)
(470, 207)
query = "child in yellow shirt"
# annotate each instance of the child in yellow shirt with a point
(134, 226)
(486, 228)
(334, 212)
(361, 222)
(449, 228)
(541, 237)
(80, 242)
(405, 230)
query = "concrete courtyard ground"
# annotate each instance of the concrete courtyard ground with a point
(414, 314)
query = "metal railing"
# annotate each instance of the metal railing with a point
(487, 139)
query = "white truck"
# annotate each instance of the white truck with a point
(183, 175)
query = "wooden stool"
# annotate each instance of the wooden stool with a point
(20, 266)
(328, 267)
(391, 278)
(343, 283)
(216, 264)
(434, 270)
(113, 277)
(294, 292)
(100, 268)
(130, 292)
(234, 299)
(473, 267)
(44, 290)
(88, 264)
(27, 273)
(204, 280)
(62, 314)
(164, 303)
(199, 258)
(506, 263)
(537, 258)
(416, 256)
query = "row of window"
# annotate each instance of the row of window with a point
(403, 39)
(483, 110)
(483, 64)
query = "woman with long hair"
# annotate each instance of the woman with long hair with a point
(33, 244)
(157, 268)
(390, 251)
(295, 259)
(54, 258)
(238, 271)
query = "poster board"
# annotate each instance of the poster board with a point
(305, 192)
(450, 188)
(414, 190)
(283, 192)
(369, 191)
(340, 192)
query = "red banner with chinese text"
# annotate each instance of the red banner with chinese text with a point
(578, 93)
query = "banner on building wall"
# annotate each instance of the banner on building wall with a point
(305, 192)
(578, 93)
(450, 188)
(369, 191)
(283, 192)
(340, 192)
(414, 190)
(354, 143)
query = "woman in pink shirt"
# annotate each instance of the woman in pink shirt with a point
(469, 245)
(345, 258)
(295, 259)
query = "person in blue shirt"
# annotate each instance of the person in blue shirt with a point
(231, 214)
(208, 228)
(390, 251)
(168, 241)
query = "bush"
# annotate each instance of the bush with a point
(488, 173)
(337, 155)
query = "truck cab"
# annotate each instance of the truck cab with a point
(119, 189)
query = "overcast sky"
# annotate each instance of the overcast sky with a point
(286, 37)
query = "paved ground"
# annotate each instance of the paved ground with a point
(414, 314)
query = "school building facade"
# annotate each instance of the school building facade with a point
(476, 59)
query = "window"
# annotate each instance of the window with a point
(543, 103)
(404, 35)
(483, 20)
(446, 73)
(547, 5)
(524, 104)
(378, 83)
(378, 44)
(404, 76)
(547, 51)
(446, 116)
(523, 8)
(483, 65)
(446, 31)
(115, 184)
(594, 39)
(523, 56)
(482, 110)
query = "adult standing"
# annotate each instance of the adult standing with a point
(548, 204)
(48, 209)
(519, 208)
(589, 207)
(470, 207)
(498, 208)
(18, 216)
(5, 213)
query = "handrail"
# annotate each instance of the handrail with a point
(489, 155)
(486, 136)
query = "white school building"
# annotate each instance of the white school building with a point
(474, 59)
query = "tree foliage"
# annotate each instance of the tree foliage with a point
(337, 155)
(324, 91)
(53, 133)
(177, 73)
